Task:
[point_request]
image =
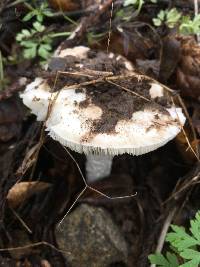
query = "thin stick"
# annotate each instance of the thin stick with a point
(110, 26)
(128, 90)
(21, 221)
(112, 198)
(35, 245)
(185, 135)
(79, 169)
(164, 231)
(76, 73)
(42, 134)
(193, 181)
(190, 123)
(88, 187)
(73, 204)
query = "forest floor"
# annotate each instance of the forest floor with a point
(41, 181)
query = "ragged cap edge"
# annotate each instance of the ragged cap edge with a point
(36, 97)
(109, 151)
(83, 147)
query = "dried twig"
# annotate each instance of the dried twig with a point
(88, 187)
(164, 231)
(35, 245)
(129, 91)
(110, 26)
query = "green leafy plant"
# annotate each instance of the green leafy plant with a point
(169, 17)
(189, 26)
(173, 17)
(38, 12)
(185, 246)
(36, 42)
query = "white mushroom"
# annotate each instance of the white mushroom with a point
(72, 124)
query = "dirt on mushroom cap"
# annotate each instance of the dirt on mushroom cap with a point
(115, 103)
(96, 61)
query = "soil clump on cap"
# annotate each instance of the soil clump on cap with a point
(83, 67)
(116, 103)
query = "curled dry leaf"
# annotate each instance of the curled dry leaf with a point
(23, 190)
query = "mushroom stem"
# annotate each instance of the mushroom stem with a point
(98, 167)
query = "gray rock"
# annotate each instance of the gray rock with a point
(91, 238)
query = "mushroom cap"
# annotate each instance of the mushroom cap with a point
(75, 113)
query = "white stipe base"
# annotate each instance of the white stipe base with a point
(98, 167)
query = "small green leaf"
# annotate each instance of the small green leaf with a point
(172, 258)
(47, 47)
(26, 33)
(161, 15)
(38, 26)
(29, 16)
(40, 17)
(19, 37)
(43, 52)
(172, 17)
(157, 22)
(158, 259)
(28, 44)
(48, 13)
(30, 53)
(190, 254)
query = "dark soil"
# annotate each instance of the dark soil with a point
(98, 61)
(117, 104)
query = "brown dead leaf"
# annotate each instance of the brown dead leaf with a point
(23, 190)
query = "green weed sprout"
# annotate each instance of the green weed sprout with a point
(39, 12)
(35, 42)
(185, 247)
(169, 17)
(172, 18)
